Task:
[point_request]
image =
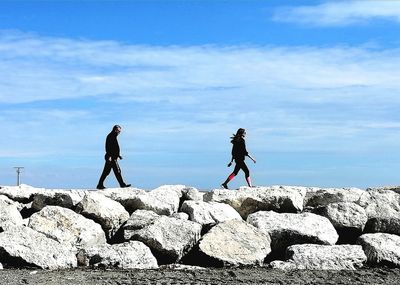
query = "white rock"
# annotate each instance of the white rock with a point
(128, 255)
(178, 189)
(326, 257)
(108, 213)
(29, 247)
(386, 223)
(209, 213)
(163, 200)
(127, 197)
(9, 214)
(168, 237)
(180, 215)
(23, 193)
(288, 229)
(250, 200)
(345, 215)
(325, 196)
(235, 243)
(283, 265)
(380, 203)
(57, 197)
(395, 188)
(67, 227)
(382, 249)
(192, 194)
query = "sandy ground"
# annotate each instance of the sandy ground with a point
(209, 276)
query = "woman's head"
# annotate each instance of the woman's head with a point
(240, 133)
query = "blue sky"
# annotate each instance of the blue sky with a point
(315, 83)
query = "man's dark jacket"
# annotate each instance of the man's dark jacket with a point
(112, 147)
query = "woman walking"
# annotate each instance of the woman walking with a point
(239, 154)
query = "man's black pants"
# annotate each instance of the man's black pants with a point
(113, 164)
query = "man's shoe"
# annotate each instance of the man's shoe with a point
(224, 185)
(126, 185)
(100, 187)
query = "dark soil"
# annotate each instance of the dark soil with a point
(371, 276)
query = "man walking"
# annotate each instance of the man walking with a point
(112, 155)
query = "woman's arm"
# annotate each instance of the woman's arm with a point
(253, 159)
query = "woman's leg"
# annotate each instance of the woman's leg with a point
(246, 173)
(231, 176)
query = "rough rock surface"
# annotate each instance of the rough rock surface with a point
(168, 237)
(380, 203)
(326, 257)
(180, 215)
(381, 248)
(192, 194)
(208, 213)
(348, 218)
(235, 243)
(108, 213)
(23, 193)
(22, 246)
(288, 229)
(250, 200)
(384, 224)
(9, 214)
(164, 200)
(127, 197)
(61, 198)
(128, 255)
(327, 196)
(67, 227)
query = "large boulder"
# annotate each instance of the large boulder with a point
(326, 196)
(67, 227)
(22, 246)
(163, 200)
(209, 213)
(380, 203)
(54, 197)
(169, 238)
(127, 197)
(395, 188)
(323, 257)
(381, 249)
(9, 214)
(234, 243)
(128, 255)
(384, 224)
(192, 194)
(383, 210)
(23, 193)
(108, 213)
(250, 200)
(288, 229)
(348, 218)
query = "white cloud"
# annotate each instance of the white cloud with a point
(341, 13)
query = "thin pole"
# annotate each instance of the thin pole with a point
(19, 170)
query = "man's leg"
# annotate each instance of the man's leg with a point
(106, 171)
(117, 172)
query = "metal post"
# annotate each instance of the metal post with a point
(19, 170)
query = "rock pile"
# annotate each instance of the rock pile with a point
(281, 227)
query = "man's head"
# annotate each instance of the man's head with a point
(116, 129)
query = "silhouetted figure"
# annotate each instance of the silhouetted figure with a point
(239, 154)
(112, 155)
